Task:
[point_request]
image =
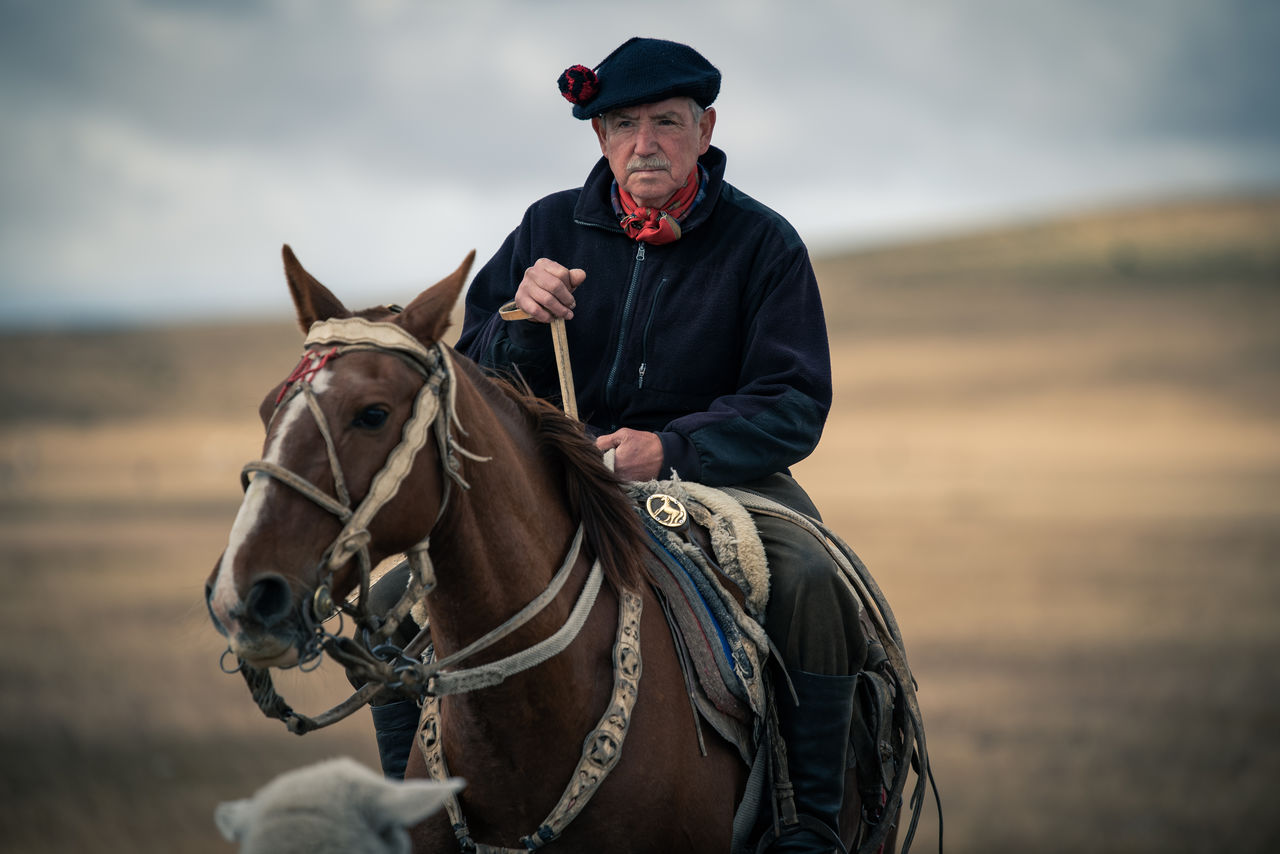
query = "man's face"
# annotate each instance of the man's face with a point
(652, 148)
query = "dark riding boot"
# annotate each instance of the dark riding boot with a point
(394, 726)
(817, 737)
(395, 720)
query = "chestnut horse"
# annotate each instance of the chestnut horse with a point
(487, 512)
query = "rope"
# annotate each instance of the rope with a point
(339, 482)
(487, 675)
(417, 679)
(305, 487)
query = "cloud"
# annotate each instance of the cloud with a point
(156, 154)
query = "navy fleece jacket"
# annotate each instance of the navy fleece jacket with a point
(716, 342)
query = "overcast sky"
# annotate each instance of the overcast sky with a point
(155, 154)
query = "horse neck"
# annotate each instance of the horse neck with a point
(496, 550)
(500, 541)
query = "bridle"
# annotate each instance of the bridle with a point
(423, 677)
(434, 414)
(374, 658)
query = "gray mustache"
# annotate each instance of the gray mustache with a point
(636, 164)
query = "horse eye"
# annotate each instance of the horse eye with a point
(370, 418)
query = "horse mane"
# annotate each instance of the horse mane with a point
(595, 494)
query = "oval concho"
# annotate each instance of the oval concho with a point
(322, 604)
(666, 510)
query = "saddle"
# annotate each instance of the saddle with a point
(709, 571)
(709, 568)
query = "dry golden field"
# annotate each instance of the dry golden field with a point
(1057, 447)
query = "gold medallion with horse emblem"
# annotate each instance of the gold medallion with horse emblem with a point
(666, 510)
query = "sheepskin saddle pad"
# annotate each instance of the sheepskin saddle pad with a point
(709, 569)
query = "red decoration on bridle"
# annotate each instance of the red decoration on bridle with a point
(306, 369)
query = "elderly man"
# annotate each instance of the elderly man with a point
(699, 347)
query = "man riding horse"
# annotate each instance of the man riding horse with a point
(700, 348)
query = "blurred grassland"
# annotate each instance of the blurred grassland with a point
(1055, 444)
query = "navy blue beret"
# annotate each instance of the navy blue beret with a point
(640, 71)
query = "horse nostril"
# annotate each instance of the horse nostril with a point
(269, 600)
(208, 603)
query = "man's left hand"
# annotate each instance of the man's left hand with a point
(637, 454)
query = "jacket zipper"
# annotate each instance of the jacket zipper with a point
(644, 341)
(627, 308)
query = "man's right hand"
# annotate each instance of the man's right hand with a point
(546, 291)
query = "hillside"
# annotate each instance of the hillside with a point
(1226, 239)
(1054, 444)
(961, 282)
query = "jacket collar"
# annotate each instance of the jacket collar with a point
(595, 208)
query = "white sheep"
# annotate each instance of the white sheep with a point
(334, 807)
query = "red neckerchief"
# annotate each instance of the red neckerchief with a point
(658, 225)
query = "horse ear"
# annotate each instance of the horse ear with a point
(427, 317)
(312, 300)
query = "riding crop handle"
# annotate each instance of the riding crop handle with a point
(564, 368)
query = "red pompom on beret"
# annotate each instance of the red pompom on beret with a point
(578, 84)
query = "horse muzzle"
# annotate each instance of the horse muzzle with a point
(263, 629)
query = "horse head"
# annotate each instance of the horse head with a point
(341, 485)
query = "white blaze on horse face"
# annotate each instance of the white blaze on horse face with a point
(225, 596)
